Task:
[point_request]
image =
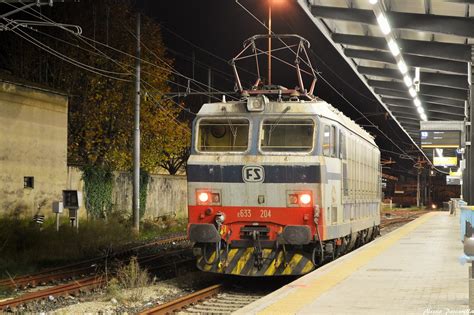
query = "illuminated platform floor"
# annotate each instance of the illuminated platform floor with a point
(412, 270)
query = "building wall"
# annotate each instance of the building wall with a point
(33, 142)
(167, 194)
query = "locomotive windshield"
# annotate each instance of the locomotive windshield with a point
(287, 135)
(223, 135)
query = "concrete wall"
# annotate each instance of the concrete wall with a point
(33, 142)
(167, 195)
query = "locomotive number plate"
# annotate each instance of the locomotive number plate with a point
(244, 213)
(247, 213)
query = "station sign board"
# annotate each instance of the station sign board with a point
(453, 180)
(457, 173)
(445, 161)
(440, 139)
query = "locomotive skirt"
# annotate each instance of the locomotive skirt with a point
(249, 262)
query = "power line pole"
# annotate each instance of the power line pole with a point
(136, 138)
(209, 82)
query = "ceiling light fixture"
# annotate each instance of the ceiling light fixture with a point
(417, 102)
(373, 1)
(402, 66)
(412, 92)
(420, 110)
(383, 23)
(407, 80)
(392, 45)
(424, 117)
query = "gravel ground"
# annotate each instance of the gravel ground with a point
(156, 294)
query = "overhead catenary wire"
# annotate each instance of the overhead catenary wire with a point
(72, 61)
(156, 56)
(118, 63)
(41, 16)
(78, 64)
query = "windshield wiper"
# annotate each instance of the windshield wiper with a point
(233, 130)
(273, 126)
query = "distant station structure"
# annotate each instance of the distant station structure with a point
(416, 59)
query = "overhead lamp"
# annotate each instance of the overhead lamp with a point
(402, 66)
(420, 110)
(373, 1)
(412, 92)
(417, 102)
(424, 117)
(383, 23)
(392, 45)
(407, 80)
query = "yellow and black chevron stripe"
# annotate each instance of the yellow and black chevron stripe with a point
(241, 261)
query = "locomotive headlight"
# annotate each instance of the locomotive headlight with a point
(299, 198)
(203, 197)
(208, 197)
(305, 199)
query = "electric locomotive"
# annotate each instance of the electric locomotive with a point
(279, 181)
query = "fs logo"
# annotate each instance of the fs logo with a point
(253, 174)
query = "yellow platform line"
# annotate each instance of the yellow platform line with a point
(297, 299)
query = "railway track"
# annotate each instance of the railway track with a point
(80, 269)
(93, 282)
(156, 262)
(385, 222)
(216, 299)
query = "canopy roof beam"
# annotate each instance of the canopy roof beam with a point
(409, 103)
(411, 60)
(457, 52)
(427, 78)
(430, 90)
(441, 24)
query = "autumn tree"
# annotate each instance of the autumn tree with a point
(100, 124)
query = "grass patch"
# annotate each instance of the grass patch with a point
(27, 248)
(129, 277)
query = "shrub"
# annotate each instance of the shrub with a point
(132, 276)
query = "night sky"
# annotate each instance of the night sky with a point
(221, 26)
(213, 32)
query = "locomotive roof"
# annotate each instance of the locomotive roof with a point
(317, 107)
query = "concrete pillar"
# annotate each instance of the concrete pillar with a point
(468, 175)
(471, 290)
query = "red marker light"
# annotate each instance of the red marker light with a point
(305, 199)
(203, 197)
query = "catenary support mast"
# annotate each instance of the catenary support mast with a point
(136, 138)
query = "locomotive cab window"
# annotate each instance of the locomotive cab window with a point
(223, 135)
(287, 135)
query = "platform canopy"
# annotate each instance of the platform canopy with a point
(435, 36)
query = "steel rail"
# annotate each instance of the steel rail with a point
(184, 301)
(79, 268)
(89, 283)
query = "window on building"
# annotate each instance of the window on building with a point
(28, 182)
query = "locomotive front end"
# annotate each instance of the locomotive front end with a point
(254, 191)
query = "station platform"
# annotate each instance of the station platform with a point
(412, 270)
